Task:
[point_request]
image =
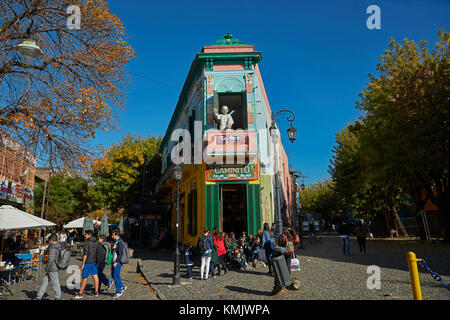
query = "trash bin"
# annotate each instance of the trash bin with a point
(281, 271)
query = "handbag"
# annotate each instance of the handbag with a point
(295, 264)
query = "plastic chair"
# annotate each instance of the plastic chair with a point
(25, 262)
(36, 265)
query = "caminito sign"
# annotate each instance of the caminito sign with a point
(245, 172)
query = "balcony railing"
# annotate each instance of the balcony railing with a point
(230, 142)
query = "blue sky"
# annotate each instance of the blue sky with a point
(316, 57)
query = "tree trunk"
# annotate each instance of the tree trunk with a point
(398, 222)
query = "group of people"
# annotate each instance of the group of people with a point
(219, 251)
(359, 230)
(98, 253)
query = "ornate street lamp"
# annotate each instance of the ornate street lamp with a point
(29, 49)
(292, 134)
(177, 175)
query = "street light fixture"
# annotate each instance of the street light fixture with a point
(177, 175)
(29, 49)
(292, 134)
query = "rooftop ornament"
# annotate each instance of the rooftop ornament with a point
(228, 40)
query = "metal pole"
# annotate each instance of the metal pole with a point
(277, 185)
(176, 277)
(414, 275)
(42, 208)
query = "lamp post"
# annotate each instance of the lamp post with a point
(292, 134)
(177, 175)
(29, 49)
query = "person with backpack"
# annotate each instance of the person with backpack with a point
(104, 258)
(120, 252)
(205, 245)
(51, 269)
(288, 244)
(89, 265)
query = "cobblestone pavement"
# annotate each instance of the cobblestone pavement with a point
(137, 287)
(326, 274)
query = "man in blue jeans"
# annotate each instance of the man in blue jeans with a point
(118, 248)
(344, 231)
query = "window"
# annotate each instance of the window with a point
(236, 103)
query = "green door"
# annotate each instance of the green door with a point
(212, 206)
(253, 208)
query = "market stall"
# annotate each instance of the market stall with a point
(19, 256)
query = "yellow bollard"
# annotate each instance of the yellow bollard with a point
(414, 274)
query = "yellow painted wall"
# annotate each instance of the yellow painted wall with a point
(185, 186)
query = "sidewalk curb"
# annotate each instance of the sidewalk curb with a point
(146, 275)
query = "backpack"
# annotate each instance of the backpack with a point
(297, 239)
(109, 257)
(125, 254)
(63, 259)
(290, 247)
(203, 244)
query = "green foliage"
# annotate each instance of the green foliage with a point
(67, 198)
(321, 197)
(114, 182)
(118, 175)
(402, 142)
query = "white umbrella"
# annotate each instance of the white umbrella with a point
(12, 218)
(78, 224)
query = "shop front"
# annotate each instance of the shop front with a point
(233, 198)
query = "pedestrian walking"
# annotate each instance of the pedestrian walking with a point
(274, 230)
(51, 269)
(205, 245)
(118, 250)
(280, 248)
(256, 246)
(361, 234)
(104, 258)
(89, 265)
(268, 244)
(344, 232)
(188, 254)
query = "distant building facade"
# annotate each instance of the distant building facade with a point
(17, 173)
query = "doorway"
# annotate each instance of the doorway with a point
(233, 208)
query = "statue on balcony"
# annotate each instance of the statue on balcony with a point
(224, 119)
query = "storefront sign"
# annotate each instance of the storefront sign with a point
(231, 140)
(245, 172)
(15, 192)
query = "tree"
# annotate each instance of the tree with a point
(320, 197)
(68, 198)
(53, 105)
(406, 134)
(355, 181)
(118, 179)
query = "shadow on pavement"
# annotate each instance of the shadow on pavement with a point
(383, 253)
(248, 291)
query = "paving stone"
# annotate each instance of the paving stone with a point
(326, 274)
